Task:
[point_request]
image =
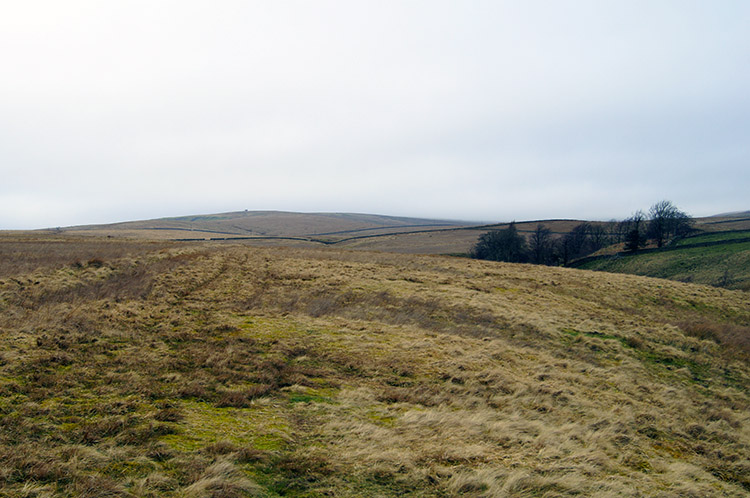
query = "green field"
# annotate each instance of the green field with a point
(725, 264)
(714, 237)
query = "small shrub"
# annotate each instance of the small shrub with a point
(734, 473)
(241, 399)
(95, 432)
(248, 454)
(634, 342)
(220, 448)
(169, 414)
(95, 263)
(98, 486)
(159, 452)
(196, 390)
(734, 336)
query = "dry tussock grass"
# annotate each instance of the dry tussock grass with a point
(198, 370)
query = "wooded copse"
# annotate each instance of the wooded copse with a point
(663, 224)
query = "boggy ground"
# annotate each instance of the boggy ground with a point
(155, 369)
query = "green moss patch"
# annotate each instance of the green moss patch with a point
(261, 425)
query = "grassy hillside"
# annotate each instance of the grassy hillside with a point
(729, 221)
(720, 259)
(162, 369)
(310, 228)
(346, 230)
(343, 230)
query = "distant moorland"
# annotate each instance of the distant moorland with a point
(429, 236)
(347, 230)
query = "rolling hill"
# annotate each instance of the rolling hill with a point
(156, 368)
(345, 230)
(314, 228)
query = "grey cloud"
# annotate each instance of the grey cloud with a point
(480, 110)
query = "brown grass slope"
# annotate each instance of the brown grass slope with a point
(157, 369)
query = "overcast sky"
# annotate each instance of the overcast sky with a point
(475, 110)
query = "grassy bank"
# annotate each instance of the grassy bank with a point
(718, 259)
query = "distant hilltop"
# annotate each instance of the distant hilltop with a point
(346, 230)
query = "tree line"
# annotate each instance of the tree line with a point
(662, 223)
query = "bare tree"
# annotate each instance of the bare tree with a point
(635, 237)
(667, 222)
(616, 234)
(540, 246)
(501, 245)
(583, 240)
(598, 237)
